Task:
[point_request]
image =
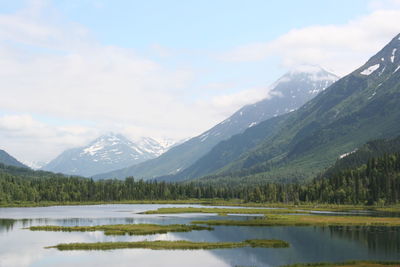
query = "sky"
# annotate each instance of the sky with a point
(72, 70)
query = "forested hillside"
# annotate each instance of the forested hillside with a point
(6, 158)
(376, 181)
(360, 107)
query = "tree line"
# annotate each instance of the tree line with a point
(376, 182)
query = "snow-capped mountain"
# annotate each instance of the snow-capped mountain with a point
(106, 153)
(289, 93)
(360, 107)
(35, 165)
(155, 146)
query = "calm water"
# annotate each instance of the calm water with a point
(21, 247)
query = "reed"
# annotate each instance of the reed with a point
(122, 229)
(172, 245)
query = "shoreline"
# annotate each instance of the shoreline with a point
(214, 202)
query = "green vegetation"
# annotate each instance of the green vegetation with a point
(308, 220)
(348, 264)
(267, 243)
(377, 184)
(172, 245)
(122, 229)
(82, 203)
(221, 211)
(309, 206)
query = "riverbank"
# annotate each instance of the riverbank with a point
(216, 202)
(308, 220)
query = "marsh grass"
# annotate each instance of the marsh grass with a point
(172, 245)
(267, 243)
(308, 220)
(122, 229)
(348, 264)
(221, 211)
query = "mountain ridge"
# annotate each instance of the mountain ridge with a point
(7, 159)
(289, 92)
(107, 152)
(357, 108)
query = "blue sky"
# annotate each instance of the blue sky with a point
(152, 68)
(202, 24)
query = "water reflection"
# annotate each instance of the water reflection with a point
(21, 247)
(385, 239)
(6, 225)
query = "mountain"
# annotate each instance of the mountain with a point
(106, 153)
(7, 159)
(287, 94)
(360, 107)
(35, 165)
(155, 147)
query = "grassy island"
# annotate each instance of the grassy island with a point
(222, 211)
(122, 229)
(172, 245)
(308, 220)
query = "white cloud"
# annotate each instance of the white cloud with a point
(340, 48)
(232, 102)
(54, 68)
(384, 4)
(23, 135)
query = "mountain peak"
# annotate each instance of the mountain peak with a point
(311, 72)
(108, 152)
(306, 68)
(313, 79)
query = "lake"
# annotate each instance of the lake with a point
(21, 247)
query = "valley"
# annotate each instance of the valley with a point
(200, 133)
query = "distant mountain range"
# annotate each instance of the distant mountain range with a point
(289, 93)
(106, 153)
(35, 165)
(7, 159)
(360, 107)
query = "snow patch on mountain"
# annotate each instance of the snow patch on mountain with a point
(370, 70)
(204, 137)
(93, 149)
(155, 146)
(252, 124)
(347, 154)
(393, 55)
